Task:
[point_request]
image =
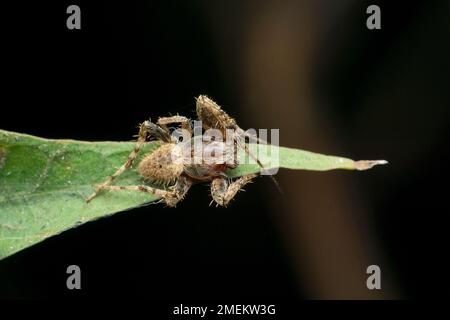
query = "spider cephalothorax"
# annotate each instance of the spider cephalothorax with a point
(180, 164)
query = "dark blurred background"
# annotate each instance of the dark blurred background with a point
(311, 69)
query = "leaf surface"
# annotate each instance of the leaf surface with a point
(44, 183)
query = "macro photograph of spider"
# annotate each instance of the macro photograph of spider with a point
(166, 165)
(198, 153)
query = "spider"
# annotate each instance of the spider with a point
(167, 164)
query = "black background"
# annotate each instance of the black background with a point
(134, 60)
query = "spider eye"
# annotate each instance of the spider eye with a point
(176, 134)
(172, 129)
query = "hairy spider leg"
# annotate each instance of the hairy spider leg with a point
(185, 122)
(247, 150)
(213, 116)
(171, 197)
(147, 128)
(222, 191)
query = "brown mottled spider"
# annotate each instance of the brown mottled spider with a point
(167, 165)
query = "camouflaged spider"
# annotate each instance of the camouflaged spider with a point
(161, 166)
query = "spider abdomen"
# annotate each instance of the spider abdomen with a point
(163, 165)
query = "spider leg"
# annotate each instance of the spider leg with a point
(185, 122)
(212, 116)
(247, 150)
(171, 197)
(222, 191)
(146, 128)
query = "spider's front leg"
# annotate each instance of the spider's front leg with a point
(171, 197)
(147, 128)
(185, 122)
(212, 116)
(222, 191)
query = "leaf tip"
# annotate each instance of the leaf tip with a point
(368, 164)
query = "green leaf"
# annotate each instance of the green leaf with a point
(44, 183)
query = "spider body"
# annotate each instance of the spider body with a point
(179, 165)
(171, 160)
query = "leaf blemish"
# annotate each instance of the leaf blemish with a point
(2, 157)
(10, 226)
